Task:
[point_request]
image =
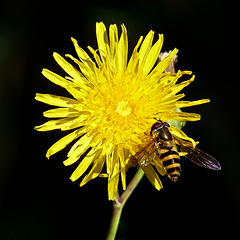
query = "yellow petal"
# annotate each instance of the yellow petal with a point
(113, 37)
(64, 123)
(75, 122)
(96, 57)
(63, 142)
(133, 62)
(180, 134)
(113, 179)
(88, 73)
(158, 70)
(122, 52)
(172, 99)
(102, 40)
(169, 79)
(61, 112)
(103, 175)
(122, 166)
(56, 100)
(107, 148)
(69, 69)
(183, 104)
(178, 87)
(159, 166)
(152, 175)
(83, 166)
(55, 78)
(153, 55)
(95, 170)
(145, 48)
(180, 116)
(84, 140)
(112, 187)
(88, 63)
(77, 150)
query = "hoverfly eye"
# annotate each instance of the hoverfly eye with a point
(156, 126)
(165, 124)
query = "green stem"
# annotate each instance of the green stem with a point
(119, 203)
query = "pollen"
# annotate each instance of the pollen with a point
(123, 108)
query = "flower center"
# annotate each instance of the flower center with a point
(123, 108)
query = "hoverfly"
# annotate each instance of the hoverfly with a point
(162, 152)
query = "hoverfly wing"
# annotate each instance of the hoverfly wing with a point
(144, 153)
(133, 161)
(201, 158)
(198, 156)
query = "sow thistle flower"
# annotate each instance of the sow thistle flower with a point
(114, 102)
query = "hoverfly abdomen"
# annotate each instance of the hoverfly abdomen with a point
(171, 162)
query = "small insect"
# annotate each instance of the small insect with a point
(162, 149)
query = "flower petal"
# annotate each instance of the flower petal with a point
(113, 178)
(113, 37)
(160, 168)
(169, 79)
(180, 134)
(152, 176)
(183, 104)
(97, 59)
(63, 124)
(56, 100)
(122, 52)
(133, 62)
(63, 142)
(85, 163)
(158, 70)
(152, 55)
(61, 112)
(178, 87)
(88, 73)
(95, 170)
(55, 78)
(145, 48)
(77, 150)
(181, 116)
(122, 158)
(102, 40)
(69, 69)
(88, 63)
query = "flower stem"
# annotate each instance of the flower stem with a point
(119, 203)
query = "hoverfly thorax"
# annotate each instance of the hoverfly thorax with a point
(160, 130)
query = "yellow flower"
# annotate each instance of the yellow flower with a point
(114, 102)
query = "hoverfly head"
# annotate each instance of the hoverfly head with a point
(158, 125)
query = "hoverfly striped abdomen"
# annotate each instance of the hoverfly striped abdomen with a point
(171, 162)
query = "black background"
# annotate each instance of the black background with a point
(37, 199)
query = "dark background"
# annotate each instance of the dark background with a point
(37, 199)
